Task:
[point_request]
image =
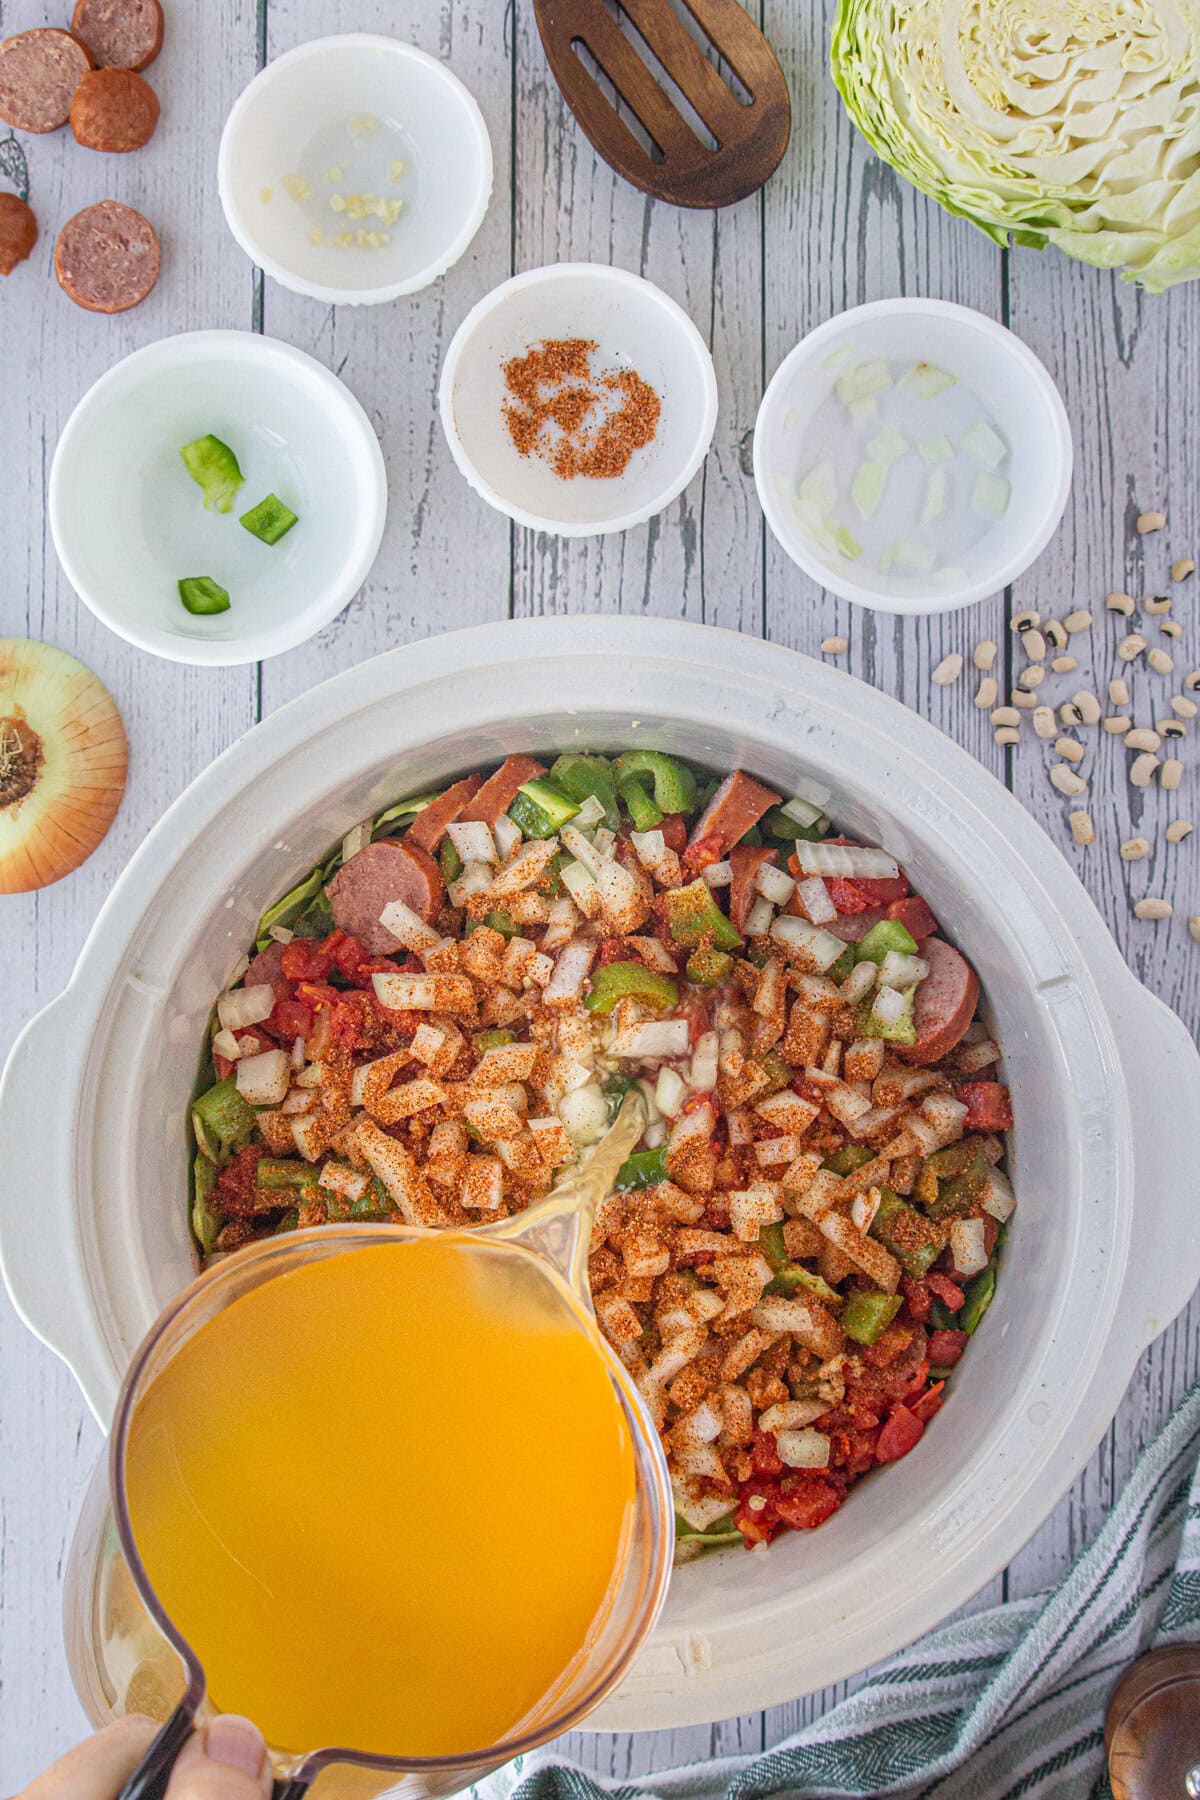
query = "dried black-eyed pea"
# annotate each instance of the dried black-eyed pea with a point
(1182, 707)
(1007, 735)
(984, 655)
(1070, 714)
(1082, 829)
(1088, 705)
(1033, 676)
(948, 670)
(1171, 628)
(834, 646)
(1116, 723)
(1194, 928)
(1078, 621)
(1120, 603)
(1161, 662)
(1143, 769)
(1179, 829)
(1023, 698)
(1006, 715)
(1150, 521)
(1034, 645)
(1171, 774)
(1026, 621)
(1131, 647)
(1044, 722)
(1183, 568)
(1133, 849)
(1170, 728)
(1152, 908)
(1064, 778)
(987, 693)
(1118, 691)
(1157, 603)
(1142, 739)
(1064, 665)
(1055, 634)
(1069, 749)
(1191, 681)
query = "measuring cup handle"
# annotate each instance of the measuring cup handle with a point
(149, 1780)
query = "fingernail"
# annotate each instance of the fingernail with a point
(234, 1742)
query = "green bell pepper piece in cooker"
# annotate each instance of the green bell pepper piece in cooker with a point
(839, 971)
(893, 1031)
(640, 807)
(582, 777)
(907, 1234)
(495, 1039)
(630, 980)
(847, 1159)
(645, 1168)
(795, 1275)
(615, 1090)
(961, 1193)
(273, 1172)
(889, 934)
(214, 468)
(693, 917)
(708, 967)
(449, 862)
(286, 911)
(376, 1203)
(541, 809)
(674, 785)
(868, 1314)
(404, 809)
(222, 1120)
(718, 1536)
(206, 1221)
(202, 595)
(979, 1298)
(770, 1242)
(777, 824)
(270, 520)
(500, 921)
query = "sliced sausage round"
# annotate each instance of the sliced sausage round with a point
(429, 827)
(39, 72)
(391, 870)
(121, 34)
(736, 807)
(267, 966)
(114, 110)
(944, 1006)
(107, 258)
(18, 232)
(852, 928)
(747, 860)
(500, 790)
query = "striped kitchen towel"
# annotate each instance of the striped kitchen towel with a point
(1008, 1703)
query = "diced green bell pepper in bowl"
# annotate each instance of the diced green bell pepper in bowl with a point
(640, 807)
(645, 1168)
(540, 809)
(907, 1234)
(979, 1298)
(693, 917)
(275, 1172)
(868, 1314)
(674, 783)
(888, 935)
(206, 1221)
(285, 912)
(270, 520)
(449, 862)
(708, 967)
(847, 1159)
(201, 595)
(582, 777)
(214, 468)
(630, 981)
(222, 1120)
(901, 1030)
(720, 1535)
(795, 1275)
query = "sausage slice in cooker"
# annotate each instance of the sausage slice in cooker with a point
(500, 790)
(39, 72)
(853, 927)
(736, 807)
(114, 110)
(391, 870)
(944, 1006)
(121, 34)
(747, 860)
(18, 232)
(267, 966)
(107, 258)
(429, 827)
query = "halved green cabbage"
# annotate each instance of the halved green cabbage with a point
(1066, 122)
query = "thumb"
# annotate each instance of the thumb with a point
(226, 1760)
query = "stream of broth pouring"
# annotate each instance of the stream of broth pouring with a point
(385, 1497)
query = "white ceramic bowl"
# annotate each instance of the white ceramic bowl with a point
(338, 112)
(1015, 393)
(1105, 1247)
(129, 522)
(635, 326)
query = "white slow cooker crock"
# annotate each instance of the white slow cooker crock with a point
(1105, 1246)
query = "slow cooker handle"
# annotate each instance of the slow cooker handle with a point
(39, 1253)
(1162, 1072)
(149, 1780)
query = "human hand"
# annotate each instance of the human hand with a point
(226, 1760)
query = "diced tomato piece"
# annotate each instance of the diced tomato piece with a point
(318, 995)
(989, 1107)
(945, 1348)
(224, 1068)
(614, 950)
(348, 1026)
(901, 1432)
(765, 1455)
(716, 1216)
(844, 894)
(310, 959)
(857, 894)
(702, 854)
(291, 1019)
(930, 1402)
(806, 1501)
(758, 1523)
(991, 1231)
(947, 1291)
(889, 1345)
(915, 916)
(675, 833)
(254, 1039)
(917, 1298)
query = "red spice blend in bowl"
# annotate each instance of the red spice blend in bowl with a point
(576, 421)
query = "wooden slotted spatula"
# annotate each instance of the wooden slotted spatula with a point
(750, 139)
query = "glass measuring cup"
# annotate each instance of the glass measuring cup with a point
(128, 1655)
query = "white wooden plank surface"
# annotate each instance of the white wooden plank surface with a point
(834, 228)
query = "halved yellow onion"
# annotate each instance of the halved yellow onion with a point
(63, 759)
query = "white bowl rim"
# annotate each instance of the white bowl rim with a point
(255, 646)
(599, 272)
(395, 290)
(1005, 572)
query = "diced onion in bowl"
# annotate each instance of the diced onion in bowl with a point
(670, 1092)
(226, 1045)
(758, 919)
(663, 1038)
(900, 971)
(246, 1006)
(718, 874)
(966, 1246)
(705, 1062)
(473, 841)
(581, 886)
(263, 1080)
(998, 1197)
(807, 1449)
(890, 1005)
(777, 887)
(590, 813)
(408, 927)
(859, 982)
(803, 807)
(811, 946)
(584, 1112)
(476, 878)
(356, 839)
(649, 846)
(506, 836)
(570, 972)
(849, 860)
(813, 896)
